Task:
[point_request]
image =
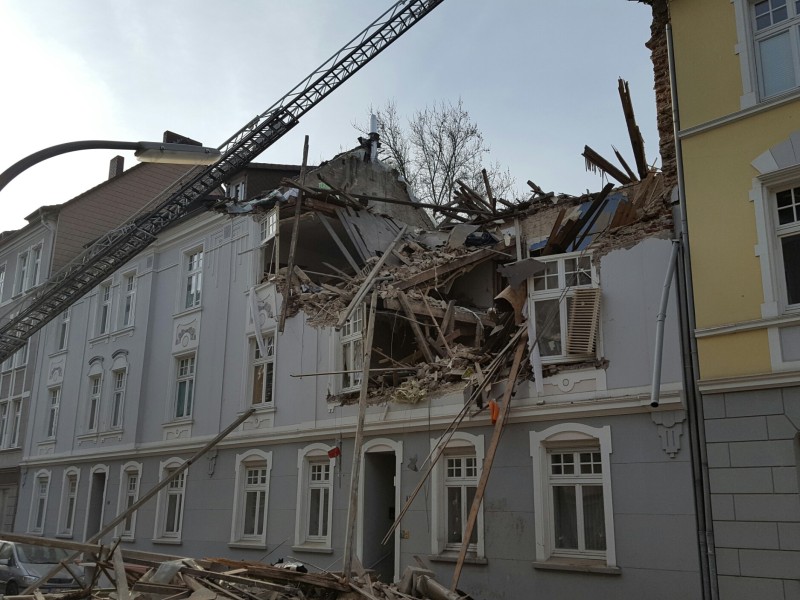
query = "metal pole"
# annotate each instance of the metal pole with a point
(655, 391)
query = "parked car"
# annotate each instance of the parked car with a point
(23, 564)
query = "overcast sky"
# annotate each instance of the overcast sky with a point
(539, 79)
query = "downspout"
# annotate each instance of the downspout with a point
(691, 367)
(655, 392)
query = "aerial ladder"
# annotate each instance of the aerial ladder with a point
(120, 245)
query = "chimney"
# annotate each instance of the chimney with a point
(116, 167)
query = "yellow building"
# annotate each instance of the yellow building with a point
(737, 75)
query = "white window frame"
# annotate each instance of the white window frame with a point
(36, 267)
(119, 380)
(2, 280)
(268, 226)
(266, 396)
(128, 306)
(244, 488)
(351, 351)
(53, 402)
(174, 492)
(62, 333)
(127, 497)
(569, 437)
(69, 502)
(38, 515)
(192, 280)
(23, 260)
(95, 401)
(747, 49)
(185, 376)
(105, 304)
(563, 293)
(313, 454)
(461, 444)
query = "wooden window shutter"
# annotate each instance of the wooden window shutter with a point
(583, 321)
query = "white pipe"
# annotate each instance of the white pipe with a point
(655, 392)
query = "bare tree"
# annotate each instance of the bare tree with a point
(440, 145)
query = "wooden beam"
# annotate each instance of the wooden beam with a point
(339, 244)
(467, 260)
(489, 193)
(635, 135)
(601, 163)
(355, 472)
(293, 244)
(624, 164)
(459, 314)
(489, 458)
(415, 328)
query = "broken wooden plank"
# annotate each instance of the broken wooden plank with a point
(259, 583)
(597, 161)
(367, 284)
(624, 164)
(119, 572)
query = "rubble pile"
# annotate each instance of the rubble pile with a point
(120, 574)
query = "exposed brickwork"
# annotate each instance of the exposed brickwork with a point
(658, 51)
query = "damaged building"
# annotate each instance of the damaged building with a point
(417, 345)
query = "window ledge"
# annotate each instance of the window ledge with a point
(313, 549)
(127, 330)
(10, 449)
(248, 545)
(577, 565)
(167, 541)
(103, 337)
(265, 407)
(57, 353)
(187, 311)
(64, 536)
(453, 558)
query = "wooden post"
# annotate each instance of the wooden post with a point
(489, 459)
(359, 441)
(153, 491)
(293, 244)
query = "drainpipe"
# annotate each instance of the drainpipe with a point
(655, 392)
(691, 367)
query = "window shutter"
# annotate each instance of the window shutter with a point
(583, 320)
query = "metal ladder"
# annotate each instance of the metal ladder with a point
(120, 245)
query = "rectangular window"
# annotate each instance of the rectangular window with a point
(131, 495)
(52, 413)
(776, 37)
(352, 353)
(194, 278)
(129, 304)
(36, 263)
(5, 409)
(255, 499)
(39, 503)
(269, 225)
(69, 499)
(576, 497)
(118, 401)
(104, 309)
(566, 302)
(2, 280)
(22, 273)
(16, 418)
(788, 233)
(174, 505)
(460, 482)
(93, 409)
(319, 497)
(63, 330)
(263, 370)
(184, 387)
